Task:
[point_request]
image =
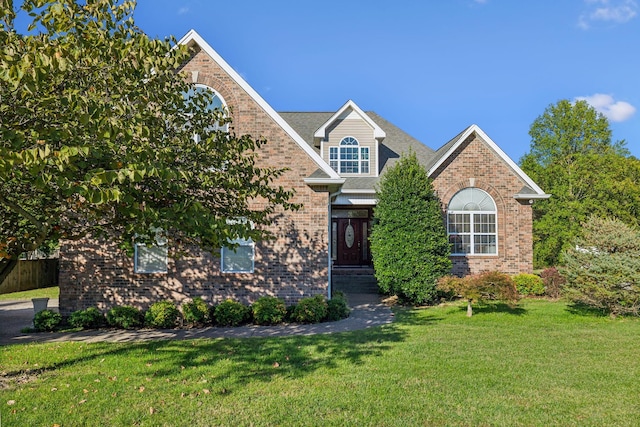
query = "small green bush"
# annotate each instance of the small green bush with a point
(162, 314)
(529, 284)
(47, 320)
(231, 313)
(553, 282)
(311, 310)
(196, 312)
(337, 307)
(124, 317)
(91, 318)
(268, 311)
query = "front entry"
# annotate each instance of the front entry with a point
(351, 241)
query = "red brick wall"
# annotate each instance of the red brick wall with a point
(475, 164)
(293, 266)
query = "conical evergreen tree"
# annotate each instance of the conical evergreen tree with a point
(409, 242)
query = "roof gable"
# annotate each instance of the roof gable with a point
(193, 38)
(349, 109)
(530, 190)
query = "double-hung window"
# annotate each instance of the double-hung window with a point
(150, 259)
(349, 157)
(239, 259)
(472, 223)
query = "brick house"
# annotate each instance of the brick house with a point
(335, 160)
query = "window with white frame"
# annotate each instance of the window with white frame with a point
(150, 259)
(239, 259)
(216, 103)
(472, 223)
(349, 157)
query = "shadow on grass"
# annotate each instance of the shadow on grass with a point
(585, 310)
(496, 307)
(229, 362)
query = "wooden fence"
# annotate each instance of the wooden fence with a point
(31, 274)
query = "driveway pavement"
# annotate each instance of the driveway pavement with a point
(366, 311)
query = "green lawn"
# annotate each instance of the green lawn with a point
(52, 292)
(540, 364)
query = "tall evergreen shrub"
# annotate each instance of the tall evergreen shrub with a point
(409, 242)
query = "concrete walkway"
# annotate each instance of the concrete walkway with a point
(366, 311)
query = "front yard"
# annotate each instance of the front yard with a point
(543, 363)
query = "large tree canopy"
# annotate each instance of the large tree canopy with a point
(97, 137)
(573, 158)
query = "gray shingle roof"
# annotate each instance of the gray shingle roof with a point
(396, 143)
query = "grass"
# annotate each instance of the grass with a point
(542, 364)
(52, 292)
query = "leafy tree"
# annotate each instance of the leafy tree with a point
(409, 243)
(97, 137)
(602, 267)
(490, 285)
(572, 157)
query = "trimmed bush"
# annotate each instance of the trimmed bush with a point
(196, 312)
(91, 318)
(230, 313)
(162, 315)
(529, 284)
(124, 317)
(409, 242)
(268, 311)
(553, 282)
(47, 320)
(311, 310)
(337, 307)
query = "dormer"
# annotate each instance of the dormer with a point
(349, 141)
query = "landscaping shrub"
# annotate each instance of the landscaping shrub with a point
(268, 311)
(553, 282)
(47, 320)
(409, 242)
(337, 307)
(310, 310)
(529, 284)
(91, 318)
(291, 309)
(162, 314)
(124, 317)
(490, 285)
(195, 312)
(231, 313)
(602, 267)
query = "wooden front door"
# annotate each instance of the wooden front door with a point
(353, 245)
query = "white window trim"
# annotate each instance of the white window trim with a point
(241, 243)
(358, 160)
(141, 270)
(472, 234)
(225, 127)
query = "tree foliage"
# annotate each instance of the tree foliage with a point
(602, 267)
(97, 137)
(409, 243)
(490, 285)
(573, 158)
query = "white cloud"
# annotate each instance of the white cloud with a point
(616, 111)
(183, 10)
(612, 11)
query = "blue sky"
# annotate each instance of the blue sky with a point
(430, 67)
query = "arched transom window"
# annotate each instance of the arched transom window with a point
(216, 103)
(349, 157)
(472, 223)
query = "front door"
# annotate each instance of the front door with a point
(352, 245)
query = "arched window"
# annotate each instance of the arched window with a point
(349, 157)
(217, 103)
(472, 223)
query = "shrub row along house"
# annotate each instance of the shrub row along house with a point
(334, 161)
